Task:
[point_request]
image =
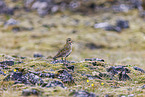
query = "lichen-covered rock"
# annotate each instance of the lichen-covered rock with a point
(28, 92)
(60, 61)
(70, 67)
(1, 72)
(28, 78)
(4, 9)
(112, 70)
(54, 84)
(123, 24)
(33, 79)
(94, 59)
(48, 75)
(113, 28)
(65, 76)
(82, 94)
(143, 87)
(9, 63)
(37, 55)
(123, 76)
(17, 76)
(139, 69)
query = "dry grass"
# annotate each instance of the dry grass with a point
(125, 48)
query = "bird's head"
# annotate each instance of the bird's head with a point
(68, 40)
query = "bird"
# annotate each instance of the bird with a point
(65, 51)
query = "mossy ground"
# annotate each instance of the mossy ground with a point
(49, 34)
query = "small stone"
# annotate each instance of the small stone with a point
(123, 76)
(93, 46)
(1, 72)
(101, 25)
(48, 75)
(54, 84)
(122, 24)
(113, 28)
(131, 95)
(11, 22)
(9, 63)
(16, 76)
(82, 94)
(143, 87)
(33, 79)
(37, 55)
(65, 76)
(94, 59)
(139, 69)
(112, 70)
(70, 67)
(60, 61)
(26, 92)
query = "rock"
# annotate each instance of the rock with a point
(123, 76)
(70, 67)
(142, 14)
(37, 55)
(120, 70)
(54, 84)
(101, 25)
(17, 76)
(82, 94)
(9, 63)
(28, 78)
(28, 92)
(4, 9)
(7, 78)
(137, 4)
(106, 75)
(33, 79)
(121, 8)
(117, 69)
(65, 76)
(61, 61)
(1, 72)
(143, 87)
(114, 87)
(93, 77)
(123, 24)
(139, 69)
(108, 95)
(48, 75)
(113, 28)
(94, 59)
(94, 46)
(112, 70)
(131, 95)
(44, 7)
(11, 22)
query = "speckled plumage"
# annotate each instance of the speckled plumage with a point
(65, 51)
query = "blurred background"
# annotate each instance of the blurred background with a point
(113, 30)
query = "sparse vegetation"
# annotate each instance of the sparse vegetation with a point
(45, 35)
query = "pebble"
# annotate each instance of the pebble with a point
(65, 76)
(54, 84)
(82, 94)
(139, 69)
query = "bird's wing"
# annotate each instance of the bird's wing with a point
(62, 52)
